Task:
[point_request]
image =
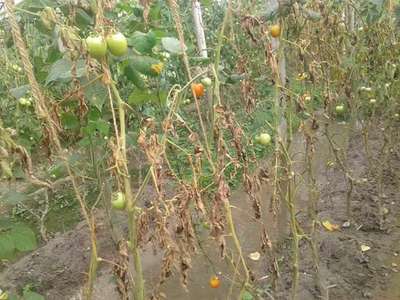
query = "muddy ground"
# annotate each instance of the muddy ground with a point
(58, 268)
(346, 271)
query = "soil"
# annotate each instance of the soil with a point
(58, 269)
(347, 272)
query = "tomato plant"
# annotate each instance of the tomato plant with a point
(125, 120)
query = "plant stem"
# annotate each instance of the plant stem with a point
(138, 291)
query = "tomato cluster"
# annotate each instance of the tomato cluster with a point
(116, 43)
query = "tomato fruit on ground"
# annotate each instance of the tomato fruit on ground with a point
(119, 201)
(275, 30)
(96, 46)
(264, 139)
(198, 89)
(117, 44)
(215, 282)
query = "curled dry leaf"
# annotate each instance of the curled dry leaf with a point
(329, 226)
(255, 256)
(365, 248)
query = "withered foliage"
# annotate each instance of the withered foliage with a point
(168, 221)
(9, 147)
(120, 270)
(248, 92)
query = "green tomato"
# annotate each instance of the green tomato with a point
(206, 225)
(264, 139)
(117, 44)
(25, 102)
(206, 81)
(372, 101)
(339, 109)
(96, 46)
(119, 201)
(129, 244)
(16, 68)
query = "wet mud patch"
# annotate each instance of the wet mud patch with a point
(360, 259)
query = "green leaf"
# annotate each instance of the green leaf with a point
(69, 121)
(161, 98)
(61, 70)
(143, 42)
(131, 138)
(172, 45)
(7, 246)
(20, 91)
(206, 3)
(96, 94)
(29, 295)
(155, 12)
(13, 197)
(247, 296)
(5, 223)
(24, 238)
(312, 15)
(13, 297)
(57, 170)
(134, 77)
(82, 18)
(140, 97)
(145, 64)
(103, 127)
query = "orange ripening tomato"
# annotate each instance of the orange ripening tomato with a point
(215, 282)
(198, 89)
(275, 30)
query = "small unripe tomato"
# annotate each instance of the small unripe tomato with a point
(119, 201)
(206, 81)
(22, 101)
(117, 44)
(215, 282)
(198, 89)
(372, 101)
(275, 30)
(264, 139)
(339, 108)
(16, 68)
(96, 46)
